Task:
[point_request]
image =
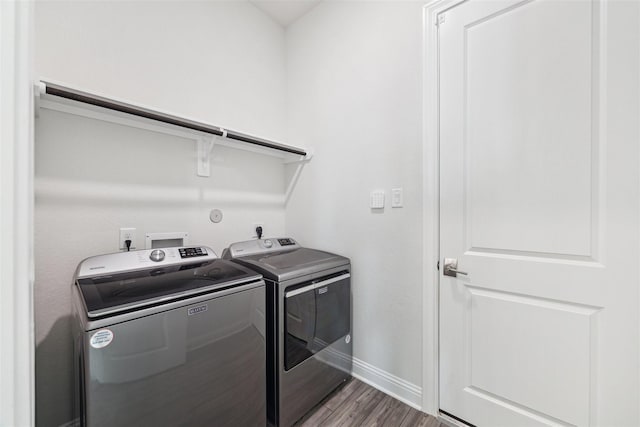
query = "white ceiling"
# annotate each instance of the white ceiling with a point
(284, 12)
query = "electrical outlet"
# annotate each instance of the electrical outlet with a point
(255, 225)
(127, 234)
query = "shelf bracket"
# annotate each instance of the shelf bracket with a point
(205, 147)
(39, 89)
(303, 159)
(296, 175)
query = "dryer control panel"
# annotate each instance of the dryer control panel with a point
(261, 246)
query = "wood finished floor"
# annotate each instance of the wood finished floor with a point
(358, 404)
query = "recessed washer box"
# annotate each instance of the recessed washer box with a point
(166, 240)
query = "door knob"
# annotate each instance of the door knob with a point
(451, 268)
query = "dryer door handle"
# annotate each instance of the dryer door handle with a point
(316, 285)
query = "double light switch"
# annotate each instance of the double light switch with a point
(377, 198)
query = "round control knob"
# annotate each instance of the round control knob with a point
(156, 255)
(268, 243)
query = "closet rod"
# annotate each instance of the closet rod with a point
(76, 95)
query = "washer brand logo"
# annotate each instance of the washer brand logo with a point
(96, 268)
(196, 310)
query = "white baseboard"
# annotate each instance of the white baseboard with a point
(384, 381)
(390, 384)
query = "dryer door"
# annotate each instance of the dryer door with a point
(333, 313)
(317, 314)
(299, 325)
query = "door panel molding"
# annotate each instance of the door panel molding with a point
(587, 249)
(548, 303)
(543, 333)
(534, 415)
(533, 256)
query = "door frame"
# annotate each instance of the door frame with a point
(431, 209)
(17, 345)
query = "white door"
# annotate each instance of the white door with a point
(539, 203)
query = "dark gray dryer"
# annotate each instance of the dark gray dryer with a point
(308, 309)
(168, 337)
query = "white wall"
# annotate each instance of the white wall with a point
(218, 62)
(354, 93)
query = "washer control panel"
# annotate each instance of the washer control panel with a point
(136, 260)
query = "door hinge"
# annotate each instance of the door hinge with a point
(438, 265)
(440, 19)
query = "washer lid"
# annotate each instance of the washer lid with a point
(113, 293)
(285, 265)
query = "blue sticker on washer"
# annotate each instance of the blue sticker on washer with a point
(101, 338)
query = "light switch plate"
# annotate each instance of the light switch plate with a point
(377, 199)
(396, 197)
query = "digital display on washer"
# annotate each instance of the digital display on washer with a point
(192, 252)
(286, 242)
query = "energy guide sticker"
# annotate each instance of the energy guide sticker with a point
(101, 338)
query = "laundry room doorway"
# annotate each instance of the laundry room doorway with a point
(538, 207)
